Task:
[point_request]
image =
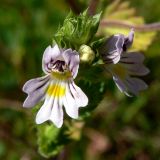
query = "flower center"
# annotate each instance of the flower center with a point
(60, 70)
(120, 70)
(59, 66)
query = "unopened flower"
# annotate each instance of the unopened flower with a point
(124, 66)
(86, 53)
(57, 87)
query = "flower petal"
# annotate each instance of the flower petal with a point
(35, 89)
(135, 85)
(136, 69)
(50, 55)
(128, 40)
(70, 103)
(79, 96)
(120, 84)
(35, 84)
(45, 111)
(130, 86)
(57, 113)
(72, 60)
(112, 49)
(115, 45)
(132, 57)
(133, 62)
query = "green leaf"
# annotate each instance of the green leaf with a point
(48, 140)
(77, 30)
(51, 140)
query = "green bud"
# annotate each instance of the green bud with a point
(86, 53)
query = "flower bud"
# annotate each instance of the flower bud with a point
(86, 53)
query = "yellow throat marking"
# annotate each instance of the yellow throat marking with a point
(61, 76)
(56, 90)
(120, 70)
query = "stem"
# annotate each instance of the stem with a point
(12, 104)
(75, 8)
(141, 28)
(92, 7)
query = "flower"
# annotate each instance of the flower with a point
(124, 66)
(57, 87)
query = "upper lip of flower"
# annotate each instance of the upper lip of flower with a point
(115, 45)
(60, 60)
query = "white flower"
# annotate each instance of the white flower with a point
(57, 87)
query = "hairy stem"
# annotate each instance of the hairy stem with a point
(141, 28)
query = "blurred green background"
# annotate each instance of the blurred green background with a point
(119, 128)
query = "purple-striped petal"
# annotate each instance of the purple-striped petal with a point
(128, 40)
(56, 115)
(112, 49)
(50, 55)
(135, 85)
(133, 62)
(80, 98)
(35, 83)
(45, 110)
(70, 104)
(132, 57)
(71, 58)
(119, 83)
(35, 88)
